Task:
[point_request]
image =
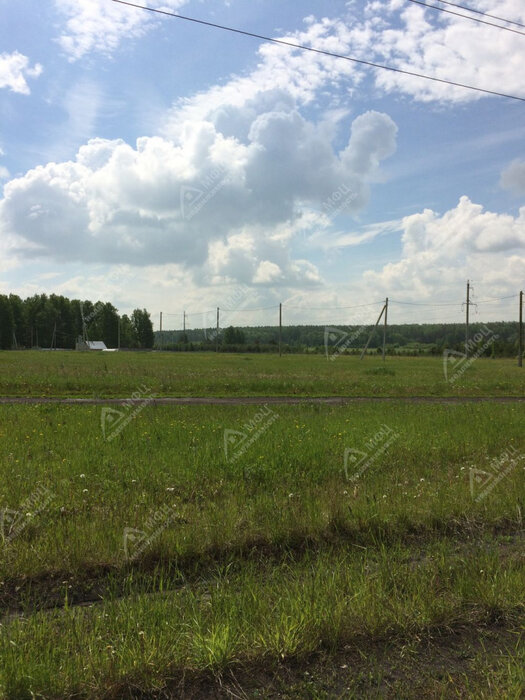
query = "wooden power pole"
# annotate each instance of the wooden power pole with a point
(384, 328)
(363, 353)
(280, 326)
(520, 333)
(467, 318)
(217, 334)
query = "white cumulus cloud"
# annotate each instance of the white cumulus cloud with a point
(15, 69)
(295, 75)
(209, 201)
(414, 38)
(441, 252)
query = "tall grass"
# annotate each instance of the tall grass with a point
(258, 613)
(70, 373)
(272, 553)
(290, 484)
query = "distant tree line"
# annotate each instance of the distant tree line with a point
(405, 339)
(56, 321)
(45, 321)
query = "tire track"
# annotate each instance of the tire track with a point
(257, 400)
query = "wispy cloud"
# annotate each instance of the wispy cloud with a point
(328, 241)
(99, 26)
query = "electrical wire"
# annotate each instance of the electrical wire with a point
(417, 303)
(261, 308)
(291, 44)
(194, 313)
(473, 19)
(343, 308)
(491, 299)
(274, 306)
(334, 308)
(479, 12)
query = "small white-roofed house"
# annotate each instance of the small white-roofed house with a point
(82, 344)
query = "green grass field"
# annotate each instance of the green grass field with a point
(36, 373)
(317, 552)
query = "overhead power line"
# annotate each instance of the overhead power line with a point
(491, 299)
(472, 19)
(194, 313)
(332, 308)
(293, 45)
(274, 306)
(420, 303)
(240, 309)
(339, 308)
(479, 12)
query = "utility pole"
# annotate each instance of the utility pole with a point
(54, 337)
(217, 334)
(160, 331)
(520, 333)
(384, 328)
(280, 326)
(118, 334)
(184, 321)
(372, 333)
(467, 319)
(84, 331)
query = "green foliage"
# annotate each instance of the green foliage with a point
(406, 339)
(233, 374)
(141, 322)
(233, 336)
(34, 320)
(104, 324)
(268, 560)
(7, 325)
(128, 333)
(42, 321)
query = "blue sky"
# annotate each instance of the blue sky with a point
(153, 162)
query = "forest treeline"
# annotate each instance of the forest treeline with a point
(55, 321)
(498, 339)
(43, 321)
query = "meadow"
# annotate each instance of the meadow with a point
(69, 373)
(253, 551)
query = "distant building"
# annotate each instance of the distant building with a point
(82, 344)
